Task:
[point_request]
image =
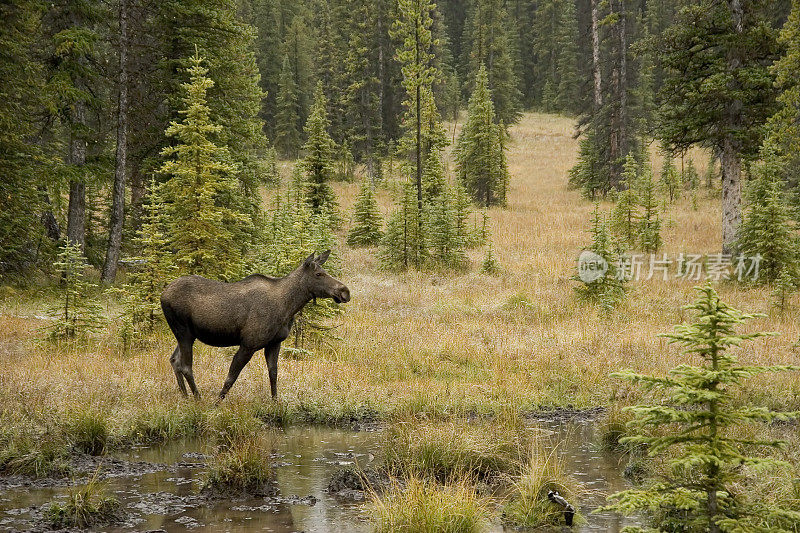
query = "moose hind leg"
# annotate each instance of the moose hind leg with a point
(186, 365)
(241, 358)
(175, 361)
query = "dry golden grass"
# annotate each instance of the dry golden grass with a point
(429, 342)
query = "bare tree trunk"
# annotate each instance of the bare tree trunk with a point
(731, 195)
(118, 200)
(76, 213)
(730, 158)
(598, 94)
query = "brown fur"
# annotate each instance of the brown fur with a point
(254, 313)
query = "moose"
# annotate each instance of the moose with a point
(254, 313)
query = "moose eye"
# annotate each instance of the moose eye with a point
(318, 274)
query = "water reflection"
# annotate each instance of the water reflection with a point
(168, 500)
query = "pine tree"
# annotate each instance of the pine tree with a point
(19, 93)
(423, 131)
(291, 230)
(208, 221)
(287, 116)
(404, 243)
(590, 173)
(446, 240)
(318, 161)
(568, 96)
(785, 285)
(181, 28)
(152, 270)
(479, 150)
(78, 315)
(690, 178)
(490, 44)
(490, 264)
(366, 228)
(649, 222)
(783, 127)
(624, 217)
(768, 229)
(670, 179)
(345, 163)
(608, 289)
(700, 489)
(715, 40)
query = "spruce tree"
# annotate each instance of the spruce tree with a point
(404, 244)
(490, 44)
(768, 229)
(490, 264)
(670, 179)
(79, 314)
(649, 222)
(479, 151)
(318, 160)
(151, 270)
(783, 128)
(366, 228)
(208, 221)
(711, 40)
(423, 130)
(624, 217)
(690, 178)
(568, 97)
(700, 489)
(292, 230)
(20, 231)
(287, 116)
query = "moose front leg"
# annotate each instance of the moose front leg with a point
(271, 355)
(241, 358)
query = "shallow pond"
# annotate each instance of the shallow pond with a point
(158, 486)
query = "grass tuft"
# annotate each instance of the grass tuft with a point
(84, 507)
(88, 432)
(425, 507)
(528, 506)
(243, 466)
(448, 451)
(38, 456)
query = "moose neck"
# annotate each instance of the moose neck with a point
(296, 292)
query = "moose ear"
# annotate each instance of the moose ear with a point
(323, 257)
(308, 260)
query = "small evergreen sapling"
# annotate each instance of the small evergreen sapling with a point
(608, 290)
(704, 453)
(490, 264)
(293, 229)
(624, 215)
(649, 224)
(79, 315)
(366, 229)
(318, 163)
(767, 228)
(152, 270)
(670, 178)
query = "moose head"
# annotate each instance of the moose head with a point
(321, 284)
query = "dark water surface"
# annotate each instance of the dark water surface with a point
(162, 491)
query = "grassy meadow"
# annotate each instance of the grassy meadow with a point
(434, 354)
(438, 344)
